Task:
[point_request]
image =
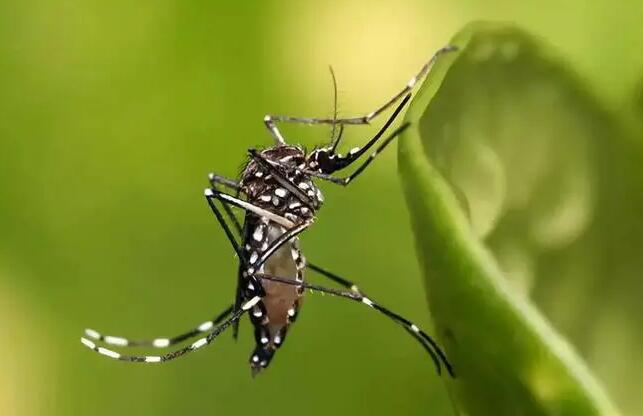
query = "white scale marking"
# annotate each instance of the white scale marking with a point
(258, 211)
(291, 312)
(92, 334)
(199, 343)
(208, 192)
(259, 174)
(277, 339)
(205, 326)
(264, 340)
(252, 302)
(294, 205)
(254, 257)
(257, 313)
(265, 198)
(88, 343)
(258, 234)
(303, 185)
(280, 192)
(109, 353)
(161, 342)
(153, 359)
(116, 341)
(367, 301)
(415, 328)
(354, 150)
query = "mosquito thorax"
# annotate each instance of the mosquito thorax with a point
(263, 189)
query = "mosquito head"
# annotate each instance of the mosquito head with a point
(325, 160)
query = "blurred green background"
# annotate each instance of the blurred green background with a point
(113, 113)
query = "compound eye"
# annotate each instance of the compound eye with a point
(322, 161)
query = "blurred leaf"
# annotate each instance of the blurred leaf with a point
(501, 132)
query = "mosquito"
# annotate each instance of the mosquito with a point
(277, 193)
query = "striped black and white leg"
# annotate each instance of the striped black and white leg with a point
(355, 289)
(198, 344)
(212, 194)
(436, 353)
(270, 120)
(162, 342)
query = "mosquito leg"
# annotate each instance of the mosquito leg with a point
(211, 194)
(280, 241)
(355, 289)
(437, 355)
(335, 278)
(158, 342)
(222, 180)
(269, 121)
(365, 119)
(236, 315)
(336, 162)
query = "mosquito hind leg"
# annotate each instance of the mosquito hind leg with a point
(429, 344)
(201, 342)
(161, 342)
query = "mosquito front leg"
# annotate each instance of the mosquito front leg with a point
(364, 119)
(222, 180)
(212, 194)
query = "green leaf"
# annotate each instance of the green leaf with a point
(500, 146)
